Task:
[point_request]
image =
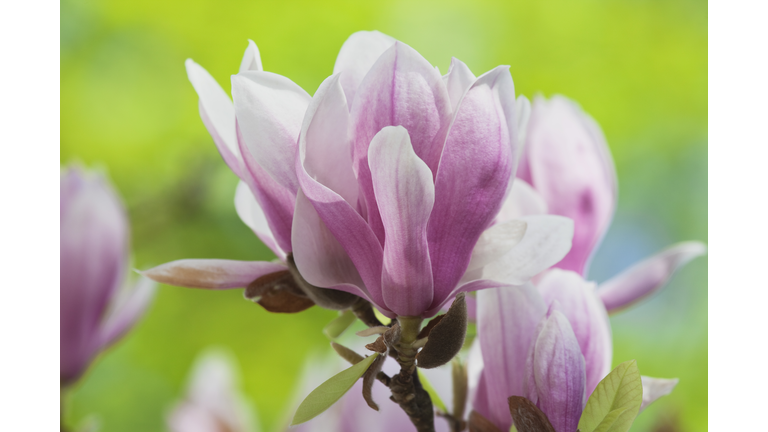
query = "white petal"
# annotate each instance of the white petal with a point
(546, 241)
(654, 388)
(522, 115)
(217, 111)
(252, 215)
(495, 242)
(359, 52)
(128, 308)
(251, 58)
(270, 109)
(458, 80)
(523, 200)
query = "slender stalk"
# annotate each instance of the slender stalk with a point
(406, 388)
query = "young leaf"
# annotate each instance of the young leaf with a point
(336, 327)
(615, 402)
(325, 395)
(609, 420)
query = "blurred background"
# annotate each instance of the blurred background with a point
(638, 67)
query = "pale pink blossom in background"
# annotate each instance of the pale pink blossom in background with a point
(213, 402)
(97, 306)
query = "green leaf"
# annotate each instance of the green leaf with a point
(327, 393)
(615, 402)
(610, 420)
(336, 327)
(432, 392)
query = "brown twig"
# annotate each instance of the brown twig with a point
(408, 392)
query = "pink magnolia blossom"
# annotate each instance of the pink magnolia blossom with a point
(567, 169)
(550, 343)
(382, 185)
(213, 402)
(95, 311)
(402, 174)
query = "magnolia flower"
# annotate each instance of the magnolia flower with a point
(550, 343)
(256, 136)
(213, 402)
(567, 169)
(95, 311)
(402, 174)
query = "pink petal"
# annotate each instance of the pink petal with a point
(458, 80)
(401, 89)
(359, 52)
(647, 276)
(464, 286)
(506, 327)
(253, 216)
(214, 274)
(654, 388)
(405, 195)
(251, 59)
(126, 311)
(555, 377)
(474, 174)
(276, 201)
(569, 164)
(218, 114)
(340, 218)
(269, 110)
(320, 258)
(588, 318)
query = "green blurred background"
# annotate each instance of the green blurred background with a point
(638, 67)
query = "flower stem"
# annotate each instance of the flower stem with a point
(406, 388)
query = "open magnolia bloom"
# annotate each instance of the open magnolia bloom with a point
(95, 310)
(256, 136)
(567, 169)
(550, 343)
(213, 402)
(402, 174)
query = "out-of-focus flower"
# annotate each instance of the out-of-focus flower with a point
(402, 174)
(550, 343)
(256, 136)
(569, 166)
(213, 402)
(95, 311)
